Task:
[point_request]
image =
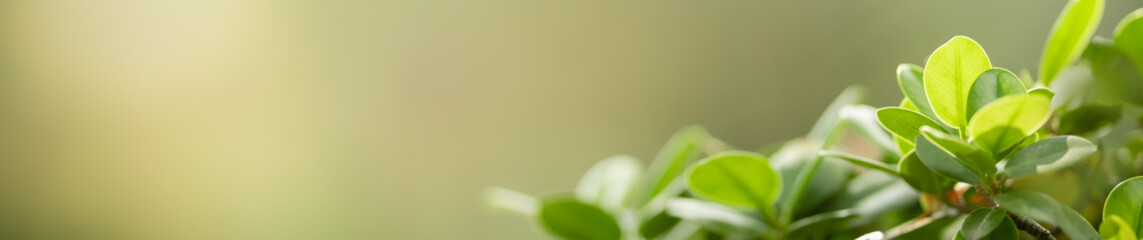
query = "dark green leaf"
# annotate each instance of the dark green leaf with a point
(988, 223)
(1042, 208)
(991, 85)
(861, 161)
(571, 219)
(950, 156)
(657, 225)
(1126, 203)
(1048, 155)
(903, 122)
(1088, 118)
(914, 172)
(715, 216)
(1071, 33)
(820, 222)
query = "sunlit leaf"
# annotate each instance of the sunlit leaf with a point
(1042, 208)
(571, 219)
(1115, 228)
(735, 178)
(1129, 36)
(988, 223)
(1125, 202)
(903, 122)
(1070, 34)
(1007, 120)
(949, 75)
(991, 85)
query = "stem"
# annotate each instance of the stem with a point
(1022, 223)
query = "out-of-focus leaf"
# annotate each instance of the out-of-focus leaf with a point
(684, 147)
(988, 223)
(609, 182)
(991, 85)
(1129, 36)
(820, 222)
(1042, 92)
(903, 122)
(512, 201)
(863, 119)
(871, 194)
(1071, 33)
(571, 219)
(861, 161)
(910, 79)
(1048, 155)
(794, 157)
(832, 115)
(1126, 203)
(714, 216)
(914, 172)
(1007, 120)
(736, 178)
(1088, 118)
(658, 225)
(1115, 228)
(1042, 208)
(948, 77)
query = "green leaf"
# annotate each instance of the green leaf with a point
(736, 178)
(1042, 92)
(988, 223)
(944, 162)
(609, 182)
(914, 172)
(1007, 120)
(715, 216)
(871, 194)
(571, 219)
(1129, 36)
(658, 225)
(684, 146)
(1048, 155)
(1042, 208)
(903, 122)
(1088, 118)
(1126, 203)
(820, 222)
(1115, 228)
(512, 201)
(793, 159)
(991, 85)
(910, 80)
(863, 119)
(832, 115)
(861, 161)
(949, 75)
(1071, 33)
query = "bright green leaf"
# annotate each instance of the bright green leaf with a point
(903, 122)
(571, 219)
(1048, 155)
(736, 178)
(914, 172)
(988, 223)
(991, 85)
(1042, 208)
(1125, 202)
(684, 146)
(1129, 36)
(1042, 92)
(949, 75)
(910, 78)
(1115, 228)
(1070, 35)
(1007, 120)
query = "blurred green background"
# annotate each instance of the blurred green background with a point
(247, 119)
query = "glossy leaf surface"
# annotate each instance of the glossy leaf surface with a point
(949, 75)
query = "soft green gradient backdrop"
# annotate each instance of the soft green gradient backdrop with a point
(224, 119)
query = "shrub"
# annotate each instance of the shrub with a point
(973, 151)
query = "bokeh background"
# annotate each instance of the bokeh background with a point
(248, 119)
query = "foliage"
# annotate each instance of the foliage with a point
(973, 152)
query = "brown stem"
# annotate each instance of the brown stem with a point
(1022, 223)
